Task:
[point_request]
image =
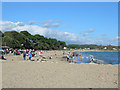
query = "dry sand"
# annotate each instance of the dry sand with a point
(56, 73)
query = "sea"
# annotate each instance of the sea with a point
(98, 57)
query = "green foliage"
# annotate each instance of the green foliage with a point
(1, 34)
(25, 40)
(92, 46)
(8, 41)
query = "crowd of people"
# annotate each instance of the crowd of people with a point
(25, 52)
(32, 53)
(71, 56)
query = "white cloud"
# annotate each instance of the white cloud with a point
(46, 25)
(88, 32)
(20, 24)
(50, 33)
(31, 22)
(49, 23)
(55, 24)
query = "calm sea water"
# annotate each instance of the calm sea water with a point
(99, 57)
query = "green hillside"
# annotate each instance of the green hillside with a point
(25, 40)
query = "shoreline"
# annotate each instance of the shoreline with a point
(63, 57)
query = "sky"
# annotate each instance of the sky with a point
(72, 22)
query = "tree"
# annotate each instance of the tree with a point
(27, 41)
(8, 41)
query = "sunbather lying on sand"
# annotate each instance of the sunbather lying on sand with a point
(2, 57)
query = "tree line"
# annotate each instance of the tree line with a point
(24, 40)
(92, 46)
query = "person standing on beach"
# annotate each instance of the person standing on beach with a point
(67, 57)
(39, 54)
(69, 53)
(30, 55)
(80, 56)
(41, 51)
(24, 55)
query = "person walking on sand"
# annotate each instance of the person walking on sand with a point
(30, 55)
(24, 55)
(39, 54)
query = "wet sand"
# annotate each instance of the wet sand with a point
(56, 73)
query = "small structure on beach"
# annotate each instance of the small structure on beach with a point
(5, 47)
(65, 48)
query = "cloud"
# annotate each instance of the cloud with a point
(20, 24)
(113, 41)
(31, 22)
(46, 25)
(7, 25)
(108, 41)
(88, 32)
(55, 24)
(49, 23)
(69, 38)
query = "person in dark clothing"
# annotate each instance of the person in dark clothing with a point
(2, 57)
(24, 55)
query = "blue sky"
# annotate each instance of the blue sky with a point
(87, 20)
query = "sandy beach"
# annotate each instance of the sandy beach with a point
(56, 73)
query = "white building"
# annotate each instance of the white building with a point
(65, 47)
